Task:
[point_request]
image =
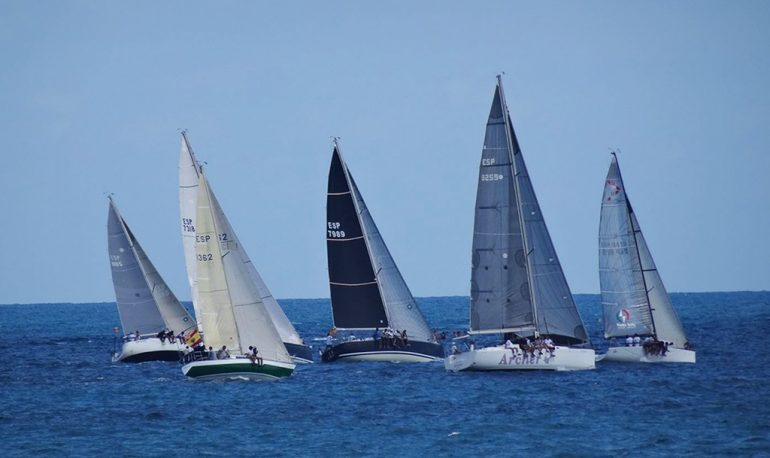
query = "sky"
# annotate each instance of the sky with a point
(93, 96)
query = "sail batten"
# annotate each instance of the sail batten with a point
(633, 296)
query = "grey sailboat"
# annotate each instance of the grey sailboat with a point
(637, 310)
(151, 316)
(368, 293)
(518, 288)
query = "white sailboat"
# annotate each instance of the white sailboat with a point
(635, 303)
(230, 307)
(518, 289)
(146, 305)
(189, 176)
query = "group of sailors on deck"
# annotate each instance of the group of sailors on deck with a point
(390, 338)
(199, 352)
(529, 347)
(651, 345)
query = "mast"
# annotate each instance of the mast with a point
(522, 223)
(634, 230)
(363, 229)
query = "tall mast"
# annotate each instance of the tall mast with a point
(363, 230)
(636, 245)
(522, 223)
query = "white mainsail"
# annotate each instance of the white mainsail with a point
(232, 312)
(189, 176)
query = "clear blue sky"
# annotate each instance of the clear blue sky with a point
(92, 95)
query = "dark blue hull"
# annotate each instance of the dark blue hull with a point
(300, 353)
(370, 350)
(152, 356)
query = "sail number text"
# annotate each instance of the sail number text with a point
(333, 230)
(205, 257)
(491, 177)
(488, 161)
(187, 225)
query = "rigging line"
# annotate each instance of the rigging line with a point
(344, 240)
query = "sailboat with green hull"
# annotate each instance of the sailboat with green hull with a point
(231, 310)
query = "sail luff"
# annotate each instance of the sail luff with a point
(189, 171)
(512, 151)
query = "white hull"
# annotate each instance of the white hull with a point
(237, 368)
(388, 356)
(636, 355)
(148, 349)
(502, 359)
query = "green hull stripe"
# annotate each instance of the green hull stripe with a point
(223, 369)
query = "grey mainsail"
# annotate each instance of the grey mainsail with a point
(634, 300)
(145, 303)
(367, 288)
(517, 283)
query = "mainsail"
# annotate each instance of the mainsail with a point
(145, 303)
(634, 300)
(189, 176)
(367, 289)
(517, 283)
(231, 309)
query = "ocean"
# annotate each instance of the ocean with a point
(62, 396)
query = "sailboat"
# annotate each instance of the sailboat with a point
(634, 301)
(230, 306)
(189, 175)
(146, 305)
(369, 297)
(518, 289)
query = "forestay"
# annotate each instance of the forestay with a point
(233, 313)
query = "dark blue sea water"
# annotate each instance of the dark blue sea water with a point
(61, 395)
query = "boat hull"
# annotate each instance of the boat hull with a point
(637, 355)
(302, 354)
(152, 349)
(237, 368)
(503, 359)
(369, 350)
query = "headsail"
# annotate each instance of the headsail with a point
(355, 294)
(145, 303)
(517, 283)
(189, 173)
(400, 306)
(232, 311)
(634, 300)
